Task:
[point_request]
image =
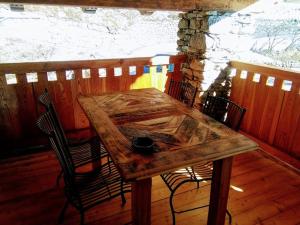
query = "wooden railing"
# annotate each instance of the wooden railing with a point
(22, 83)
(272, 99)
(270, 95)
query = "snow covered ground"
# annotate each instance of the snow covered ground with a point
(248, 34)
(44, 33)
(51, 33)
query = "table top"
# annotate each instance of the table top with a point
(183, 136)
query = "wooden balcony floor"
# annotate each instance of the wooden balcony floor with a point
(263, 192)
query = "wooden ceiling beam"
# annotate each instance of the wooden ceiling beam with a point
(173, 5)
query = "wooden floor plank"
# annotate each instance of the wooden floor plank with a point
(262, 193)
(287, 217)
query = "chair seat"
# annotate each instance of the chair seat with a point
(196, 173)
(97, 186)
(87, 151)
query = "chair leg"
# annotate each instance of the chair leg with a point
(123, 199)
(81, 218)
(172, 207)
(58, 178)
(122, 194)
(62, 213)
(108, 164)
(229, 215)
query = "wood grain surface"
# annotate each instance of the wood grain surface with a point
(182, 136)
(273, 114)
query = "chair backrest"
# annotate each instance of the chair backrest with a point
(46, 124)
(46, 101)
(182, 91)
(224, 111)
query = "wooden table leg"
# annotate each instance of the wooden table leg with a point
(219, 191)
(141, 202)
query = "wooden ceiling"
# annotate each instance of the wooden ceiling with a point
(176, 5)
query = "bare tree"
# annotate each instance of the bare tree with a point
(278, 31)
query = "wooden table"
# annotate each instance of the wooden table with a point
(183, 137)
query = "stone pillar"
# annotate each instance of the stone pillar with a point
(193, 26)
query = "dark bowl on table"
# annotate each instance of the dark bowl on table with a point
(143, 144)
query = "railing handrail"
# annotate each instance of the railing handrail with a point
(45, 66)
(264, 69)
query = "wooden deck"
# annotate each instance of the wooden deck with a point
(263, 192)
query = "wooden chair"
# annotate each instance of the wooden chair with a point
(82, 190)
(224, 111)
(82, 151)
(182, 91)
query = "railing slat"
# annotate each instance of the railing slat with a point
(95, 82)
(26, 107)
(287, 130)
(10, 127)
(294, 142)
(259, 106)
(79, 86)
(270, 117)
(247, 100)
(39, 88)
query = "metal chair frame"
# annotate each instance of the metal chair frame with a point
(82, 190)
(82, 151)
(222, 110)
(182, 91)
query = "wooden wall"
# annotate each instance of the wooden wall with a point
(273, 108)
(19, 108)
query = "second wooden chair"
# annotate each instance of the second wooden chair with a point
(224, 111)
(82, 151)
(182, 91)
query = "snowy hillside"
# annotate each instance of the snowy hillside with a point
(265, 32)
(43, 33)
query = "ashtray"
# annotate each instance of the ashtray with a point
(143, 144)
